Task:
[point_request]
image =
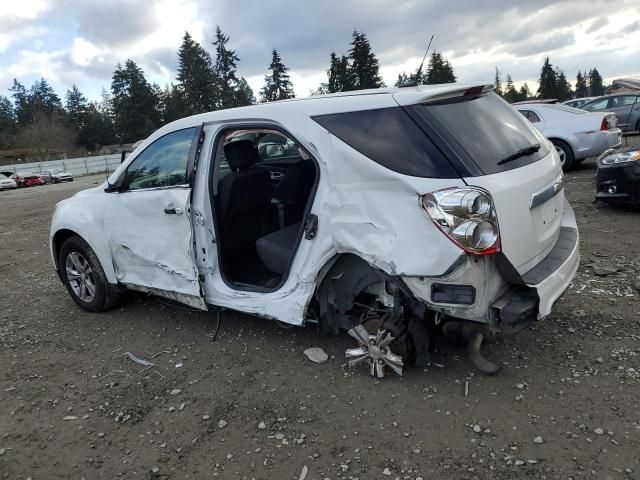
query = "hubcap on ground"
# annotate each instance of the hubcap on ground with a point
(563, 155)
(80, 277)
(374, 349)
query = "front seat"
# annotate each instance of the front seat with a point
(244, 198)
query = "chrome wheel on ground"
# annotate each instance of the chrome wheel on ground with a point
(375, 349)
(80, 277)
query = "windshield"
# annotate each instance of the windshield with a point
(488, 130)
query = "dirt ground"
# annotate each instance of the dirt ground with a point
(250, 405)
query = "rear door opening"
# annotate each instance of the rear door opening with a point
(261, 190)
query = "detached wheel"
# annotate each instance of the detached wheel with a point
(84, 277)
(566, 154)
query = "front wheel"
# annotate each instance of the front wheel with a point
(565, 153)
(84, 277)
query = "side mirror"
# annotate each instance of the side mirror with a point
(118, 186)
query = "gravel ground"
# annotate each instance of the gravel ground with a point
(250, 405)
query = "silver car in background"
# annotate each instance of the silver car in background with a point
(626, 106)
(56, 175)
(576, 134)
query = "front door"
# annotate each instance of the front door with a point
(148, 221)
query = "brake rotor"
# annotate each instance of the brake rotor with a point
(383, 344)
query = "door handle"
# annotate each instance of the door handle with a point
(173, 211)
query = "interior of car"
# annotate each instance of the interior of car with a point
(262, 188)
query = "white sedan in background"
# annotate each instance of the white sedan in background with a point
(576, 134)
(7, 183)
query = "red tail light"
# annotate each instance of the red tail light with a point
(608, 122)
(466, 216)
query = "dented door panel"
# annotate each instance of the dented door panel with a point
(151, 242)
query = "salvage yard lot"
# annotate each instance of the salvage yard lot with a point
(250, 405)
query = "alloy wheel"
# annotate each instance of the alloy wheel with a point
(80, 277)
(374, 349)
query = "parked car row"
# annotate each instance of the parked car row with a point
(11, 180)
(625, 106)
(576, 134)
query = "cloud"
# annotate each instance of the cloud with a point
(597, 24)
(543, 44)
(84, 40)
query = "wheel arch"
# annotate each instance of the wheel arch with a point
(565, 141)
(340, 281)
(98, 245)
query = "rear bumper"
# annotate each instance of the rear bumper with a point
(506, 301)
(553, 275)
(593, 144)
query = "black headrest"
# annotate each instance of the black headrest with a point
(241, 154)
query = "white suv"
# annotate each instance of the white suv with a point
(383, 212)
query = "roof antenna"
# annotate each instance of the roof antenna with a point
(414, 82)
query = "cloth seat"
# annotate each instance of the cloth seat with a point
(276, 249)
(244, 198)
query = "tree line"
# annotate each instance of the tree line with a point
(552, 83)
(132, 108)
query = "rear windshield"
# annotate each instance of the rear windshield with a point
(487, 129)
(389, 137)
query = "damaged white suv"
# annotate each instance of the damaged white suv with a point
(386, 213)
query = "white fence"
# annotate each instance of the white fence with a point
(75, 166)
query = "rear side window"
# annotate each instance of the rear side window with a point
(487, 130)
(389, 137)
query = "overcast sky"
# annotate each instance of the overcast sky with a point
(80, 41)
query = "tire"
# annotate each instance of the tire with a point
(75, 255)
(566, 154)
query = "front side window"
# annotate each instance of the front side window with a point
(163, 163)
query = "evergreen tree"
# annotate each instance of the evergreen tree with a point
(39, 100)
(135, 103)
(277, 85)
(75, 107)
(511, 94)
(438, 71)
(339, 75)
(97, 130)
(596, 87)
(403, 78)
(7, 121)
(365, 68)
(225, 71)
(497, 85)
(196, 79)
(173, 104)
(581, 85)
(524, 93)
(21, 103)
(563, 87)
(244, 93)
(548, 81)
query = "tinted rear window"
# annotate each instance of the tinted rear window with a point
(388, 136)
(487, 129)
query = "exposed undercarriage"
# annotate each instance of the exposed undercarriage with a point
(393, 329)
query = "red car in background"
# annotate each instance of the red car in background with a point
(27, 179)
